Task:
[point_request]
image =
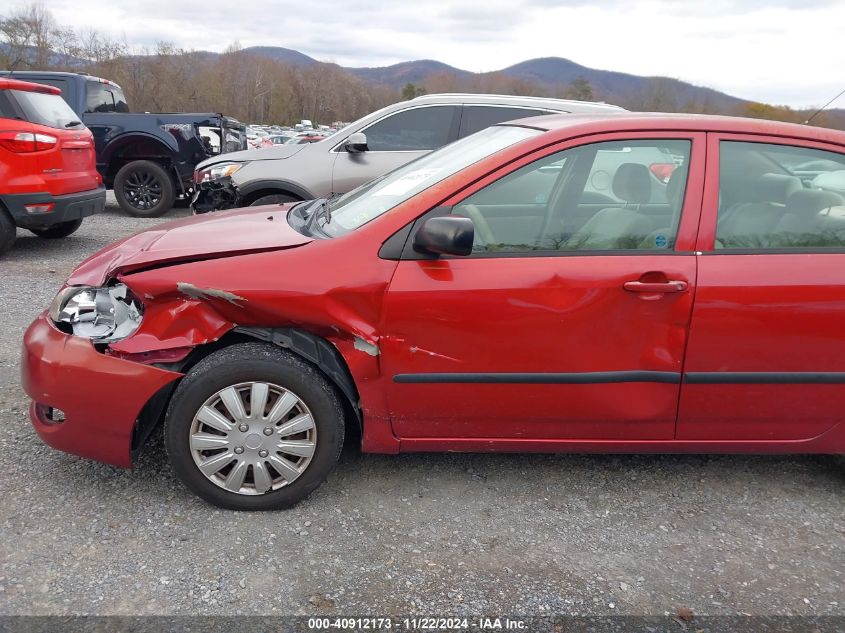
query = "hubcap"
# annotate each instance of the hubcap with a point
(253, 438)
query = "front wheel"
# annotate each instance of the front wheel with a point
(254, 427)
(144, 189)
(57, 231)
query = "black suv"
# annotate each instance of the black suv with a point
(147, 158)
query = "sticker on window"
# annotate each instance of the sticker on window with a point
(407, 182)
(661, 241)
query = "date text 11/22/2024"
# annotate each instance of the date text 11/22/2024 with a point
(418, 623)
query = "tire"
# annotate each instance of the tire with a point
(276, 198)
(8, 231)
(233, 370)
(62, 229)
(144, 189)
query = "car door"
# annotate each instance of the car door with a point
(766, 355)
(394, 140)
(555, 327)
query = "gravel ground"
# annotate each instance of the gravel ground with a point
(412, 534)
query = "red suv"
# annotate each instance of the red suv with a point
(48, 173)
(507, 292)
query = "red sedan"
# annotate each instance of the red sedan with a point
(626, 283)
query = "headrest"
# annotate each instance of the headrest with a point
(632, 183)
(675, 186)
(809, 202)
(776, 188)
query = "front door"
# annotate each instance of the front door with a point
(568, 321)
(393, 141)
(766, 356)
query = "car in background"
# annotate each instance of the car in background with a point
(300, 139)
(471, 312)
(276, 139)
(48, 169)
(148, 158)
(366, 149)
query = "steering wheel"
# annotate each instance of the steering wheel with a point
(483, 233)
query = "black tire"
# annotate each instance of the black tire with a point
(8, 231)
(144, 189)
(247, 362)
(57, 231)
(276, 198)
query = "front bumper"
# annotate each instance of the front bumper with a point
(215, 195)
(101, 396)
(72, 206)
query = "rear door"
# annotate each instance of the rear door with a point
(549, 330)
(393, 141)
(766, 354)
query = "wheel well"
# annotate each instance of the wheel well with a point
(260, 193)
(314, 349)
(137, 148)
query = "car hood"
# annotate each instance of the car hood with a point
(209, 236)
(276, 152)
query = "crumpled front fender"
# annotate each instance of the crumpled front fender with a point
(176, 323)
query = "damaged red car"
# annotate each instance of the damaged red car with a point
(625, 283)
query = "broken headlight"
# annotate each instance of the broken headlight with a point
(216, 172)
(102, 314)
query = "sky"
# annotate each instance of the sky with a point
(785, 52)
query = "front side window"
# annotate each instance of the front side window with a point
(618, 195)
(415, 129)
(779, 197)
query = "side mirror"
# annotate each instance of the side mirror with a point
(356, 143)
(448, 235)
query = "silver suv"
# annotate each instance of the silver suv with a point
(362, 151)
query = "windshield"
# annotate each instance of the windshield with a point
(45, 109)
(375, 198)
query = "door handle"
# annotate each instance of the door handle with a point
(656, 287)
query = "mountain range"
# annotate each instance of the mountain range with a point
(550, 71)
(555, 72)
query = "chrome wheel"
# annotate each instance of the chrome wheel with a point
(253, 438)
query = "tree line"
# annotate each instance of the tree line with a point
(165, 77)
(256, 89)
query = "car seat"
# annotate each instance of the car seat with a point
(618, 227)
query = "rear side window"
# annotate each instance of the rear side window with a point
(477, 118)
(44, 109)
(417, 129)
(780, 197)
(104, 98)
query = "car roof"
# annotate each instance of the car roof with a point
(577, 124)
(565, 105)
(56, 74)
(27, 86)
